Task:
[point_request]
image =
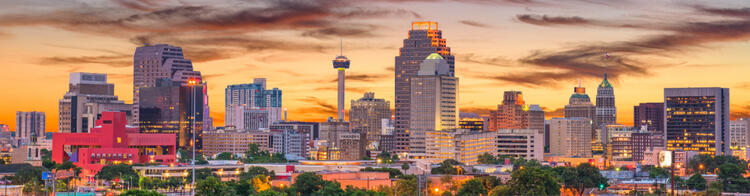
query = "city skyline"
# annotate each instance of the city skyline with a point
(503, 45)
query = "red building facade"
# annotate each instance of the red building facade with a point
(110, 142)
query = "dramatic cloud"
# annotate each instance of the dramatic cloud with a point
(492, 61)
(107, 60)
(319, 106)
(545, 20)
(482, 111)
(363, 77)
(348, 89)
(474, 24)
(588, 60)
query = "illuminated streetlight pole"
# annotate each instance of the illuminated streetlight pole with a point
(192, 83)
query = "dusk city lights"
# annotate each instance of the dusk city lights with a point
(374, 97)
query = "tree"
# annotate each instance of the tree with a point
(487, 158)
(308, 183)
(489, 182)
(406, 186)
(533, 181)
(242, 187)
(710, 163)
(658, 172)
(730, 176)
(581, 177)
(212, 186)
(254, 171)
(697, 182)
(187, 157)
(201, 174)
(261, 183)
(329, 188)
(140, 192)
(225, 156)
(121, 171)
(270, 193)
(28, 175)
(472, 187)
(500, 191)
(448, 166)
(253, 154)
(405, 166)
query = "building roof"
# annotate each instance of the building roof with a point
(434, 56)
(576, 95)
(605, 83)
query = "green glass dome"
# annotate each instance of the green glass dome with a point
(434, 56)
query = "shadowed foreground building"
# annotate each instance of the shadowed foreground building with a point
(170, 107)
(112, 142)
(88, 96)
(29, 125)
(366, 115)
(650, 115)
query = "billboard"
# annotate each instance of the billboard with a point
(665, 158)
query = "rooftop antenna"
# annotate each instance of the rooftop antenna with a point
(341, 47)
(579, 83)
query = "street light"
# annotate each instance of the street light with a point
(192, 83)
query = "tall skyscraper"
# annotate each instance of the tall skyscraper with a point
(434, 94)
(170, 107)
(606, 112)
(424, 39)
(88, 96)
(697, 119)
(29, 125)
(650, 115)
(341, 63)
(252, 96)
(570, 137)
(154, 62)
(367, 114)
(738, 133)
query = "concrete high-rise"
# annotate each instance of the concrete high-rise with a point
(650, 115)
(738, 133)
(580, 106)
(252, 96)
(434, 98)
(570, 137)
(697, 119)
(424, 39)
(606, 112)
(366, 115)
(29, 125)
(341, 63)
(521, 143)
(154, 62)
(88, 96)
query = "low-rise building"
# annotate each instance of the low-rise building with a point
(111, 141)
(235, 142)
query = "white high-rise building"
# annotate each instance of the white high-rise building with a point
(434, 94)
(521, 143)
(738, 133)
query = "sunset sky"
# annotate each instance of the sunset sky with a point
(539, 47)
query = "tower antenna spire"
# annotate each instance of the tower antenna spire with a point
(341, 47)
